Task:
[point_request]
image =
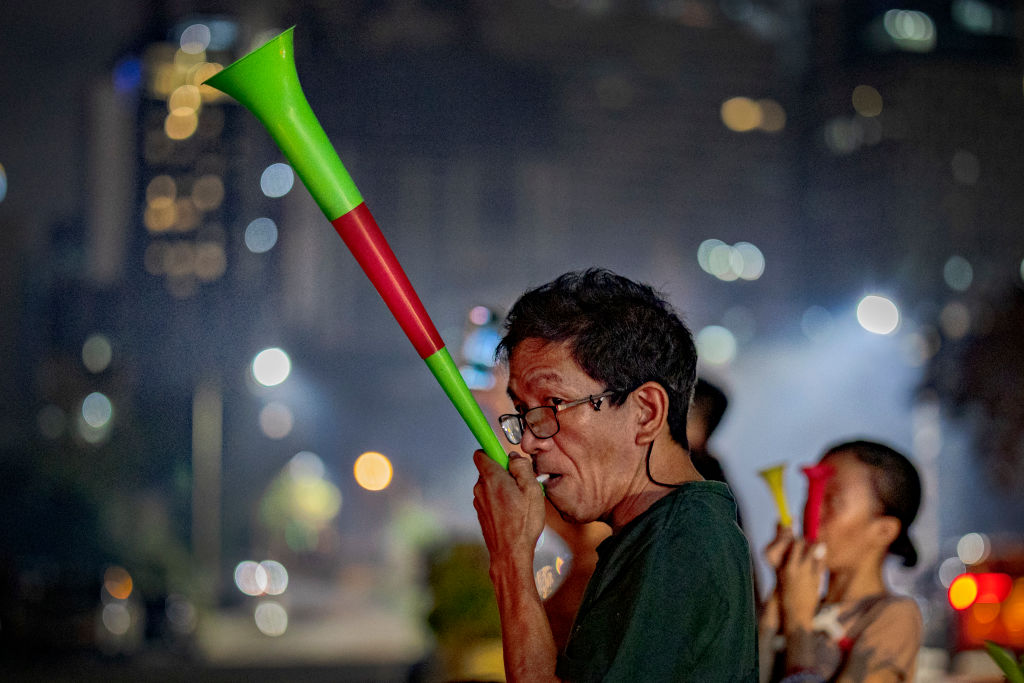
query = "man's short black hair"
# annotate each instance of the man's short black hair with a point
(622, 333)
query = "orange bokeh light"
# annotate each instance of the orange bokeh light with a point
(118, 582)
(963, 591)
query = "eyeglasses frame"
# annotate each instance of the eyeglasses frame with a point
(595, 401)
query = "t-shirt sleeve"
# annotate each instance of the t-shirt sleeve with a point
(889, 644)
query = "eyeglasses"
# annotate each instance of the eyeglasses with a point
(543, 420)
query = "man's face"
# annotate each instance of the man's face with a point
(588, 460)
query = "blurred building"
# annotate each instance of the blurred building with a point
(761, 162)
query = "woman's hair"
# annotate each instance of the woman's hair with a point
(622, 333)
(897, 487)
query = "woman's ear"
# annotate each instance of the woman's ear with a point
(651, 402)
(888, 529)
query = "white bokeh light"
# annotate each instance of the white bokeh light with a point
(270, 367)
(277, 180)
(271, 618)
(878, 314)
(277, 577)
(716, 345)
(97, 410)
(251, 578)
(276, 420)
(96, 353)
(972, 548)
(261, 235)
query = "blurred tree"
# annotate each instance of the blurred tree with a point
(979, 378)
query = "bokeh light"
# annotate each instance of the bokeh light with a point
(972, 548)
(116, 618)
(741, 114)
(277, 180)
(306, 464)
(261, 235)
(373, 471)
(867, 101)
(773, 116)
(195, 39)
(955, 319)
(208, 192)
(251, 578)
(277, 577)
(1013, 609)
(963, 591)
(97, 410)
(910, 30)
(716, 345)
(730, 262)
(3, 182)
(271, 366)
(210, 262)
(480, 315)
(127, 74)
(185, 99)
(950, 568)
(161, 190)
(878, 315)
(751, 261)
(958, 273)
(96, 353)
(117, 582)
(181, 124)
(271, 618)
(276, 420)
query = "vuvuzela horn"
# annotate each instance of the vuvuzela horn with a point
(817, 477)
(266, 82)
(773, 477)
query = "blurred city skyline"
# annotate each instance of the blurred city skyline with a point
(766, 165)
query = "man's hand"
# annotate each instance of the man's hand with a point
(510, 507)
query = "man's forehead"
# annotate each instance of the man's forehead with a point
(536, 364)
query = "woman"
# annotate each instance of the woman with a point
(859, 631)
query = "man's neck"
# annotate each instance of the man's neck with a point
(670, 467)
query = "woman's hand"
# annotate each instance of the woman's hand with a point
(799, 584)
(775, 552)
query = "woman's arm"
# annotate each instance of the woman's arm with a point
(886, 649)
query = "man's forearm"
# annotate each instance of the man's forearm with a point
(527, 642)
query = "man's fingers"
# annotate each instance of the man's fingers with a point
(521, 468)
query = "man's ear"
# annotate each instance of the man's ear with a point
(651, 401)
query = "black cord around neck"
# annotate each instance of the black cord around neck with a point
(652, 479)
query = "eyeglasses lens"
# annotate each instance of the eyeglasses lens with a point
(542, 421)
(513, 428)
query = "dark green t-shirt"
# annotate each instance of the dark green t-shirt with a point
(672, 597)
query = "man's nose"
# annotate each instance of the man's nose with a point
(531, 444)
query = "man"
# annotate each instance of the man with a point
(601, 372)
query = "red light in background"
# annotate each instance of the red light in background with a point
(987, 588)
